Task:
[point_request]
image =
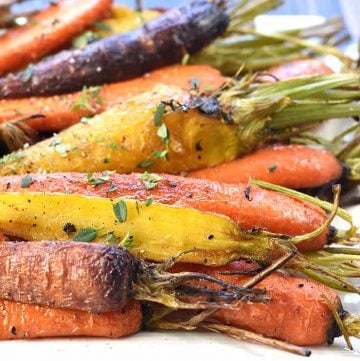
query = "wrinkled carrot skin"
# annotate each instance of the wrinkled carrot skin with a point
(273, 211)
(25, 321)
(48, 31)
(297, 312)
(57, 109)
(296, 69)
(292, 166)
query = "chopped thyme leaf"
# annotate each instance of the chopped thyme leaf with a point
(105, 176)
(148, 202)
(106, 160)
(120, 210)
(87, 37)
(112, 188)
(84, 99)
(146, 163)
(86, 235)
(161, 154)
(113, 145)
(163, 133)
(102, 26)
(127, 241)
(159, 112)
(272, 168)
(109, 238)
(150, 180)
(26, 181)
(27, 74)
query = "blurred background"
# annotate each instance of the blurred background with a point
(348, 9)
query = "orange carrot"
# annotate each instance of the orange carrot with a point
(58, 110)
(292, 166)
(48, 31)
(296, 69)
(25, 321)
(297, 312)
(248, 207)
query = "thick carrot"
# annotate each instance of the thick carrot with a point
(292, 166)
(296, 69)
(297, 312)
(48, 31)
(59, 112)
(25, 321)
(247, 207)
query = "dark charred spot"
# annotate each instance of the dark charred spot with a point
(8, 185)
(69, 228)
(13, 330)
(334, 330)
(247, 193)
(211, 236)
(300, 285)
(172, 184)
(198, 146)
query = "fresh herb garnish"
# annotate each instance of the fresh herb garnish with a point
(150, 180)
(159, 112)
(146, 163)
(120, 210)
(87, 37)
(27, 73)
(105, 176)
(161, 154)
(87, 234)
(112, 188)
(148, 202)
(163, 133)
(102, 26)
(127, 241)
(272, 168)
(84, 99)
(26, 181)
(109, 238)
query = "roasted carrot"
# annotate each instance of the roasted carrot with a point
(94, 277)
(60, 111)
(248, 207)
(26, 321)
(296, 69)
(292, 166)
(297, 312)
(160, 42)
(48, 31)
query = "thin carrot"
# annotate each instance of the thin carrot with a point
(297, 312)
(292, 166)
(60, 111)
(25, 321)
(48, 31)
(248, 207)
(296, 69)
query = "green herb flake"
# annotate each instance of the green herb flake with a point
(106, 160)
(102, 26)
(272, 168)
(109, 238)
(150, 180)
(146, 163)
(159, 112)
(112, 188)
(120, 210)
(163, 133)
(113, 145)
(27, 74)
(84, 99)
(127, 241)
(105, 176)
(185, 59)
(87, 37)
(161, 154)
(148, 202)
(26, 181)
(86, 235)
